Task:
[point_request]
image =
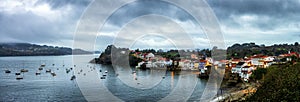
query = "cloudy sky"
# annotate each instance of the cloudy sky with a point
(54, 22)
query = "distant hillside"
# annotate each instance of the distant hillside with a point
(26, 49)
(248, 49)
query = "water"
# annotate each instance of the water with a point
(46, 87)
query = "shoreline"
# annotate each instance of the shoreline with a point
(236, 93)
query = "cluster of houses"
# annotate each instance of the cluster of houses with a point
(243, 67)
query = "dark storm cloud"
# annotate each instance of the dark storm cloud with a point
(245, 20)
(144, 7)
(276, 8)
(54, 25)
(261, 21)
(279, 11)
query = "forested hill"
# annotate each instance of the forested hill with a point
(26, 49)
(248, 49)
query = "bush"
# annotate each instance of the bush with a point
(258, 73)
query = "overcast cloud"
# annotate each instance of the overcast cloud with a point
(53, 22)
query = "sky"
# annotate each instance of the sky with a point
(54, 22)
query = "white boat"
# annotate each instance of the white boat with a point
(48, 70)
(19, 77)
(53, 74)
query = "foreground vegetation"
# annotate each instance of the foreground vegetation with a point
(279, 83)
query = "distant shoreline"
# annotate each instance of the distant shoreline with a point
(27, 49)
(45, 55)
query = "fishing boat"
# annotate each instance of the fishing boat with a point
(204, 72)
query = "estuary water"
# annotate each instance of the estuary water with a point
(45, 87)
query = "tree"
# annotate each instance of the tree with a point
(296, 44)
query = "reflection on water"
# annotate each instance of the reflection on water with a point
(45, 87)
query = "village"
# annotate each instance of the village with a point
(242, 67)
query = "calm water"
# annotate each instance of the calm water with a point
(45, 87)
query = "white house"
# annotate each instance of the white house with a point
(246, 72)
(238, 68)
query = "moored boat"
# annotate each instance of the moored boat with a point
(53, 74)
(24, 70)
(19, 77)
(38, 72)
(73, 77)
(48, 70)
(7, 71)
(18, 73)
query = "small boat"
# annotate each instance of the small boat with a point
(43, 65)
(7, 71)
(133, 72)
(24, 70)
(48, 70)
(73, 77)
(106, 71)
(41, 68)
(19, 77)
(18, 73)
(67, 70)
(100, 70)
(53, 74)
(102, 77)
(38, 72)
